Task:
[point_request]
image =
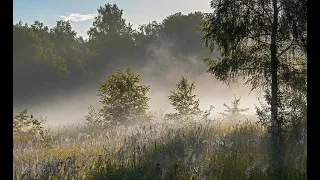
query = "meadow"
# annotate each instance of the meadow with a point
(261, 43)
(157, 149)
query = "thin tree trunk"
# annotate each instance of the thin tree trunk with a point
(275, 123)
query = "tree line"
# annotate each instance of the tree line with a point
(265, 42)
(47, 59)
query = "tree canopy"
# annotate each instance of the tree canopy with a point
(57, 58)
(265, 43)
(122, 98)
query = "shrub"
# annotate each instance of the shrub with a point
(26, 127)
(122, 98)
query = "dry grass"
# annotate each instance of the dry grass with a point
(157, 150)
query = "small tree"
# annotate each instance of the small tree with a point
(122, 98)
(94, 118)
(183, 101)
(234, 112)
(26, 127)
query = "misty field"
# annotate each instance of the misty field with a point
(259, 45)
(158, 149)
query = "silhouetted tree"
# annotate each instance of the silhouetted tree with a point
(256, 39)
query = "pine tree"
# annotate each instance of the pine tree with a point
(233, 112)
(184, 101)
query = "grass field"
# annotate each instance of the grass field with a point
(157, 150)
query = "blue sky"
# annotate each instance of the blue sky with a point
(81, 12)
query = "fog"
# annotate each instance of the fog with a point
(162, 71)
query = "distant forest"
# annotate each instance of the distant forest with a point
(46, 60)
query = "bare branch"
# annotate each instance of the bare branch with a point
(286, 49)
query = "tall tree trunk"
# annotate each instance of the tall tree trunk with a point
(275, 122)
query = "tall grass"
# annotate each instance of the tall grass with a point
(157, 150)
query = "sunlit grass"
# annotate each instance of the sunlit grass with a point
(163, 150)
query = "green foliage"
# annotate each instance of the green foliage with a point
(68, 47)
(123, 99)
(23, 123)
(292, 112)
(110, 37)
(263, 42)
(95, 119)
(182, 30)
(292, 98)
(296, 13)
(241, 29)
(184, 101)
(242, 32)
(47, 58)
(56, 58)
(26, 127)
(109, 22)
(35, 42)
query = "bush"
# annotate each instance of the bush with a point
(26, 127)
(122, 98)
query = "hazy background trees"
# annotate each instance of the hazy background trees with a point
(53, 60)
(47, 61)
(263, 42)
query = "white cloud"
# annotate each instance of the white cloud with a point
(77, 17)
